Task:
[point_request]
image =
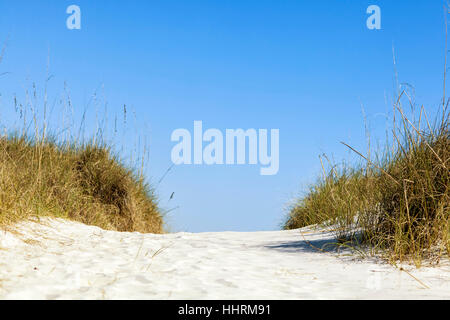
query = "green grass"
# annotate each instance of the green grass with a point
(398, 204)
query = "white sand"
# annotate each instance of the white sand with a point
(67, 260)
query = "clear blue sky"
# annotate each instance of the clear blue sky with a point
(303, 67)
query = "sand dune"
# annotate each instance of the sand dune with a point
(57, 259)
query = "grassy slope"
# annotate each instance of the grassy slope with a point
(400, 204)
(84, 183)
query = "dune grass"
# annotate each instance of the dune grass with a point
(66, 175)
(84, 183)
(398, 204)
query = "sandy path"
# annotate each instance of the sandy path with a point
(67, 260)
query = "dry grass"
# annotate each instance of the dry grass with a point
(84, 183)
(66, 175)
(399, 204)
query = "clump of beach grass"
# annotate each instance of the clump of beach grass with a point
(399, 203)
(85, 183)
(67, 176)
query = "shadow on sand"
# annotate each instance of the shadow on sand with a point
(304, 245)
